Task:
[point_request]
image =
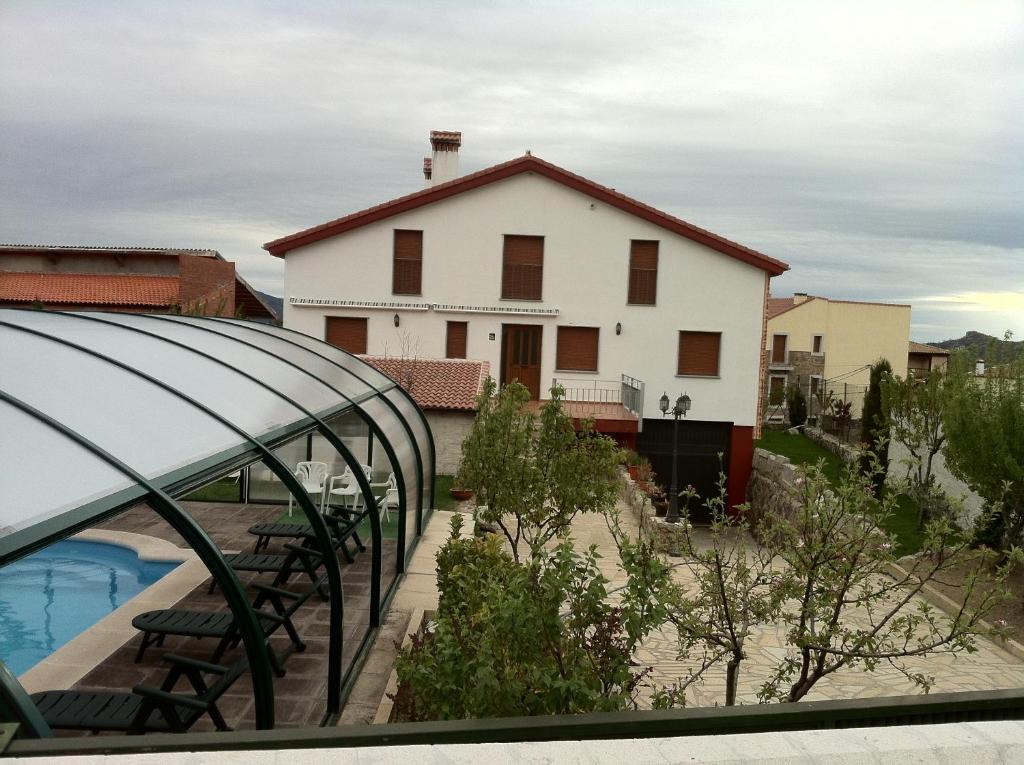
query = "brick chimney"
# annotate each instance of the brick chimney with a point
(799, 297)
(426, 171)
(444, 165)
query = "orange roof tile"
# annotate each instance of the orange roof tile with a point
(778, 305)
(89, 289)
(451, 384)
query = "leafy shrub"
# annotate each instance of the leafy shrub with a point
(511, 639)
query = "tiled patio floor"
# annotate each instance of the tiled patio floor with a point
(300, 696)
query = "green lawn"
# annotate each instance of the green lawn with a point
(443, 499)
(801, 450)
(224, 490)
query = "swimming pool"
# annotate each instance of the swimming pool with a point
(56, 594)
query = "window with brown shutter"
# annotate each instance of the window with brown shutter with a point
(347, 333)
(407, 267)
(455, 345)
(522, 269)
(643, 272)
(577, 349)
(698, 353)
(779, 349)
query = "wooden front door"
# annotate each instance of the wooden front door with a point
(520, 355)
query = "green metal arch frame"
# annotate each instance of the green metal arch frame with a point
(255, 326)
(262, 329)
(363, 415)
(284, 474)
(252, 635)
(320, 530)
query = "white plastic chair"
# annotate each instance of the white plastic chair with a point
(313, 477)
(389, 498)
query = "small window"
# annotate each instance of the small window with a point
(698, 353)
(577, 349)
(407, 267)
(779, 349)
(643, 272)
(817, 344)
(347, 333)
(455, 343)
(522, 271)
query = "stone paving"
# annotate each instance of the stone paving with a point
(988, 668)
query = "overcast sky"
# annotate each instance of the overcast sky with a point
(878, 148)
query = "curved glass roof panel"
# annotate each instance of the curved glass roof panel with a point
(135, 420)
(252, 407)
(330, 373)
(139, 387)
(372, 376)
(267, 368)
(46, 473)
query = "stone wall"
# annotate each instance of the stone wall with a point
(842, 450)
(450, 430)
(666, 537)
(770, 489)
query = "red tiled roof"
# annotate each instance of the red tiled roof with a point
(525, 164)
(451, 384)
(89, 289)
(929, 349)
(778, 305)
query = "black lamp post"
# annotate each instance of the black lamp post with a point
(681, 407)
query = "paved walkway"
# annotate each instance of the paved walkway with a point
(988, 668)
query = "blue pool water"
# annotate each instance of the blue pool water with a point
(54, 595)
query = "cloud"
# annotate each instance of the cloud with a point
(874, 146)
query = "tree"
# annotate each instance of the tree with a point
(984, 427)
(824, 571)
(915, 408)
(850, 610)
(532, 475)
(874, 427)
(796, 405)
(736, 590)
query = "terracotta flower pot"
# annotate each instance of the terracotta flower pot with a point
(633, 471)
(461, 494)
(661, 508)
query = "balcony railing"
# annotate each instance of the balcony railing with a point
(604, 397)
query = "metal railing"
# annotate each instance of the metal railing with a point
(605, 395)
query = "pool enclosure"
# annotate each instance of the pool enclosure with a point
(102, 412)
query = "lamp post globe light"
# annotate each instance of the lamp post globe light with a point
(682, 406)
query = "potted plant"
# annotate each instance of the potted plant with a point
(458, 492)
(632, 462)
(644, 474)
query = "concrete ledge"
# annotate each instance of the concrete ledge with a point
(950, 608)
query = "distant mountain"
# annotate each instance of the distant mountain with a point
(276, 303)
(978, 344)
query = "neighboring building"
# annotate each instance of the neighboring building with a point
(819, 343)
(135, 279)
(446, 390)
(923, 359)
(551, 277)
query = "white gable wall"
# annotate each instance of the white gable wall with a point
(586, 270)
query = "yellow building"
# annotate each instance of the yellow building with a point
(823, 344)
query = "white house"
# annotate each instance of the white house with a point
(550, 277)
